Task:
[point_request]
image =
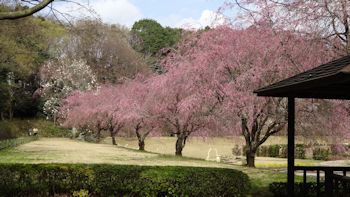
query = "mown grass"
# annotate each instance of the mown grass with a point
(61, 150)
(198, 147)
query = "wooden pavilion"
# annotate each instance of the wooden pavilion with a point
(327, 81)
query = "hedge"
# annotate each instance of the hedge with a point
(10, 143)
(279, 189)
(120, 180)
(280, 151)
(321, 153)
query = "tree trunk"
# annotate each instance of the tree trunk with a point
(140, 138)
(114, 142)
(249, 140)
(250, 155)
(348, 43)
(98, 135)
(180, 144)
(10, 113)
(54, 119)
(141, 144)
(2, 116)
(114, 130)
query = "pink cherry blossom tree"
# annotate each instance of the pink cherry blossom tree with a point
(138, 109)
(328, 20)
(325, 19)
(227, 65)
(81, 110)
(113, 100)
(99, 110)
(127, 105)
(112, 108)
(183, 101)
(208, 88)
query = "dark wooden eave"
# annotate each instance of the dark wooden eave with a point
(328, 81)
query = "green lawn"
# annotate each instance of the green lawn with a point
(198, 147)
(62, 150)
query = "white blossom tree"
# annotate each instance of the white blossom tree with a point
(59, 78)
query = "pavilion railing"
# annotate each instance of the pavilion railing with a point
(335, 179)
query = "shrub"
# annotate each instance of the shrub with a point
(300, 150)
(19, 128)
(49, 129)
(237, 150)
(320, 153)
(263, 151)
(273, 150)
(81, 193)
(281, 151)
(279, 189)
(120, 180)
(339, 149)
(10, 143)
(9, 130)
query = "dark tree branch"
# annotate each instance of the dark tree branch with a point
(24, 13)
(271, 131)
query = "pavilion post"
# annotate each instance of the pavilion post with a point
(291, 144)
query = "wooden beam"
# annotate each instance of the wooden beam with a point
(330, 87)
(291, 142)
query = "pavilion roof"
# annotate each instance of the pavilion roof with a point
(327, 81)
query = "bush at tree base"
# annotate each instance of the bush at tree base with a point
(11, 143)
(321, 153)
(280, 151)
(120, 180)
(279, 189)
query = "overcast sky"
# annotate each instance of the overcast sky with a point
(174, 13)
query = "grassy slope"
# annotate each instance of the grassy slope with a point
(19, 128)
